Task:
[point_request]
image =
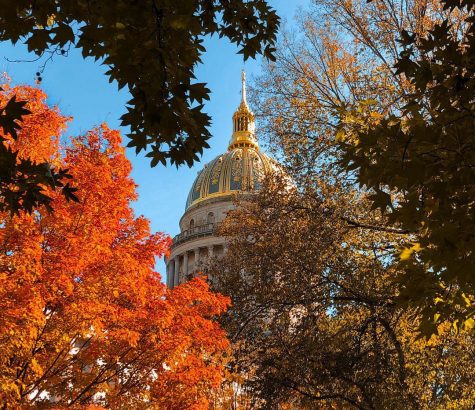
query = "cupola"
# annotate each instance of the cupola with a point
(244, 128)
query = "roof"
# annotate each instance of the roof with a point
(241, 169)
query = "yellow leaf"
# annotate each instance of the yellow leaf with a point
(340, 135)
(467, 301)
(469, 324)
(51, 20)
(35, 367)
(407, 252)
(455, 325)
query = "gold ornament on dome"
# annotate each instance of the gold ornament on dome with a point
(244, 132)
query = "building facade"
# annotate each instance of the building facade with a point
(238, 171)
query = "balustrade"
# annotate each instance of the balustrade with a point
(196, 231)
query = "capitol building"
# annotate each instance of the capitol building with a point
(238, 171)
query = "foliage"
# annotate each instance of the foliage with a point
(314, 323)
(419, 162)
(341, 58)
(24, 179)
(330, 107)
(152, 47)
(316, 318)
(85, 318)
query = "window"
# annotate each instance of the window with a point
(192, 224)
(210, 218)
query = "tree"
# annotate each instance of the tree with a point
(23, 179)
(314, 323)
(316, 317)
(419, 162)
(85, 318)
(335, 83)
(342, 56)
(152, 47)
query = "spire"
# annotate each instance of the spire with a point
(243, 122)
(243, 90)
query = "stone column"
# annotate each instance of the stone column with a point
(177, 272)
(185, 266)
(210, 255)
(169, 272)
(197, 258)
(172, 272)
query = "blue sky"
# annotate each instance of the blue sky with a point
(82, 91)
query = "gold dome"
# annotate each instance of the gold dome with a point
(238, 170)
(241, 168)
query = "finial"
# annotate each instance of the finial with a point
(243, 123)
(243, 79)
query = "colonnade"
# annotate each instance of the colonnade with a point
(178, 267)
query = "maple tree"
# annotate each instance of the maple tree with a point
(419, 163)
(314, 321)
(335, 106)
(85, 318)
(153, 48)
(24, 178)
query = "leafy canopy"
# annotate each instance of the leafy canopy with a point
(419, 162)
(26, 178)
(85, 318)
(313, 321)
(152, 47)
(335, 107)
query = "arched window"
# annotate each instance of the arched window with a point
(192, 224)
(210, 218)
